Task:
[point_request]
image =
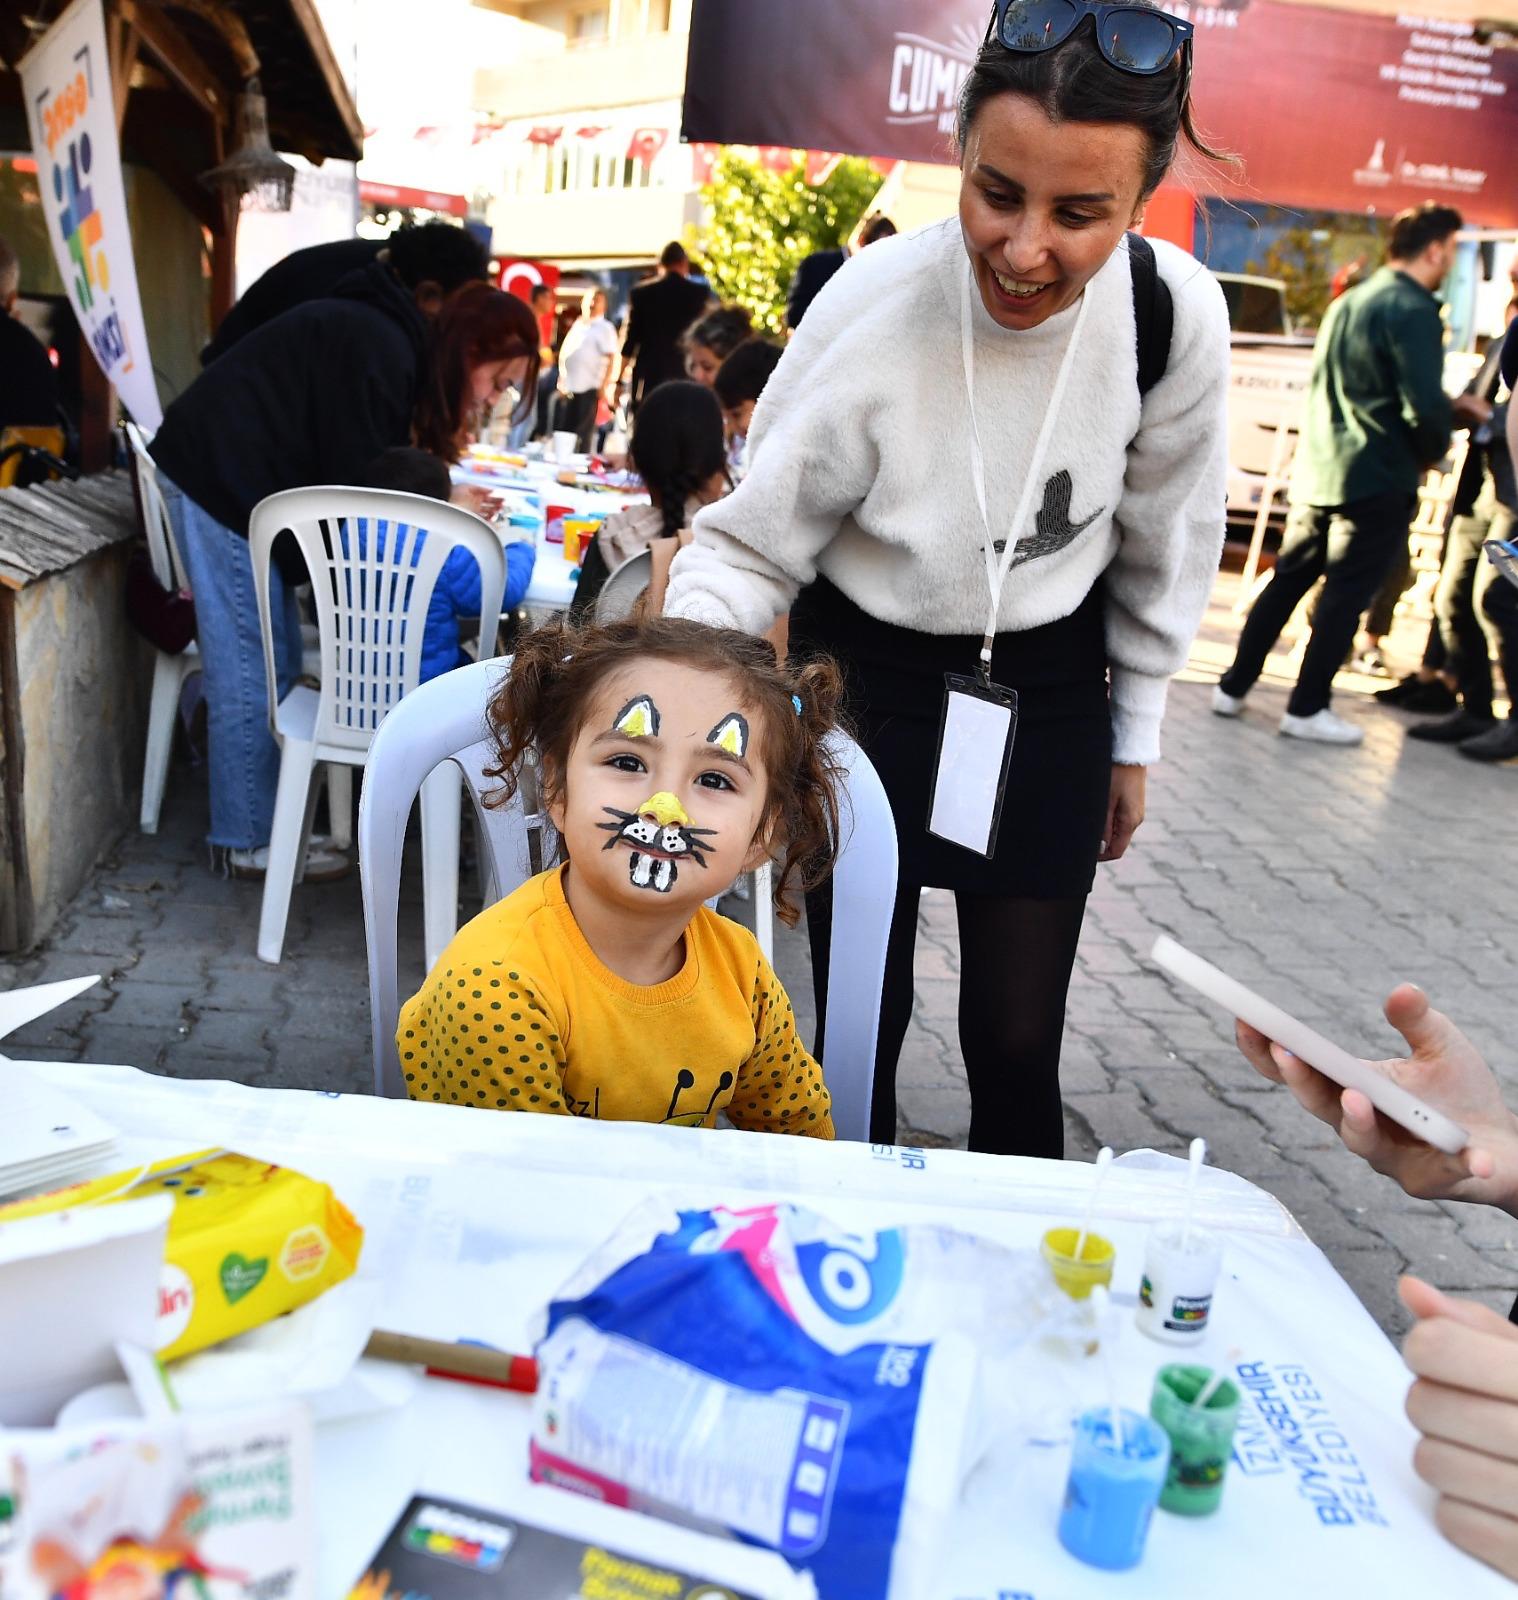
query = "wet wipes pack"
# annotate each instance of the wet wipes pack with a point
(764, 1373)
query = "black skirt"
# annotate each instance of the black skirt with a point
(1055, 807)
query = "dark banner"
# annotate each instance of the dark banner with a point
(1329, 109)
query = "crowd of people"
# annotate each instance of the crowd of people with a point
(992, 456)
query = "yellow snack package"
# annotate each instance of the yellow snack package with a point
(246, 1243)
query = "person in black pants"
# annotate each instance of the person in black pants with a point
(1377, 417)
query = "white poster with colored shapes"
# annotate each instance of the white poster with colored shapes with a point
(71, 110)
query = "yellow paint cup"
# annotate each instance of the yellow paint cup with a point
(1078, 1276)
(578, 531)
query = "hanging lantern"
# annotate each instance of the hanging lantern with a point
(253, 173)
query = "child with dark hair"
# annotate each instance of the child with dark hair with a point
(740, 382)
(457, 591)
(708, 342)
(672, 758)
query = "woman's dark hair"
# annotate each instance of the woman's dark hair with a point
(478, 324)
(557, 672)
(746, 371)
(677, 445)
(876, 229)
(437, 252)
(721, 331)
(1073, 83)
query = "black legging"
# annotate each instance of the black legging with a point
(1015, 960)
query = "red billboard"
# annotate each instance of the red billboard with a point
(1332, 110)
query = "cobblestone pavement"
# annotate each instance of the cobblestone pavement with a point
(1320, 876)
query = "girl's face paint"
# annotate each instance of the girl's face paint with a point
(670, 771)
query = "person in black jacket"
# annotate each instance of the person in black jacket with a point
(817, 270)
(660, 313)
(28, 384)
(314, 272)
(313, 397)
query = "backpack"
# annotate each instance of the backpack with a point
(1153, 313)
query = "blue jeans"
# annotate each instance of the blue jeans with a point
(244, 759)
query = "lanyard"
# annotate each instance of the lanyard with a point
(996, 572)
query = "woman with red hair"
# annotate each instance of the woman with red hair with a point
(403, 352)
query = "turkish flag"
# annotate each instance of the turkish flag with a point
(777, 158)
(646, 144)
(820, 165)
(592, 132)
(548, 136)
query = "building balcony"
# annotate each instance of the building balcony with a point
(592, 77)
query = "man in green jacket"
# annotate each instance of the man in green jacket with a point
(1377, 419)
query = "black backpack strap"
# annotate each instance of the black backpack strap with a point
(1153, 313)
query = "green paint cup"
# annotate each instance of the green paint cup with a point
(1201, 1438)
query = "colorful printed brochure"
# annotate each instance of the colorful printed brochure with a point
(441, 1550)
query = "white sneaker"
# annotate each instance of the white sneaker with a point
(1323, 727)
(323, 864)
(1226, 705)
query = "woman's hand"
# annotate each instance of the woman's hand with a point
(1447, 1071)
(1465, 1404)
(1125, 811)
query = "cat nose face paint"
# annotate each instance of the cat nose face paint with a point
(659, 836)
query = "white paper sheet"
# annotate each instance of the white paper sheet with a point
(73, 1284)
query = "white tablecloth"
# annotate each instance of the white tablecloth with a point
(553, 578)
(473, 1219)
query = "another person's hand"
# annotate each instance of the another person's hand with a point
(1125, 811)
(1447, 1071)
(1471, 410)
(1465, 1404)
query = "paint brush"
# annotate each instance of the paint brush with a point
(1195, 1157)
(1103, 1161)
(1210, 1388)
(1106, 1331)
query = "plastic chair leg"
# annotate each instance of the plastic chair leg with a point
(340, 803)
(167, 679)
(442, 795)
(286, 846)
(764, 911)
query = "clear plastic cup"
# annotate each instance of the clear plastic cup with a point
(1111, 1493)
(1078, 1276)
(1201, 1437)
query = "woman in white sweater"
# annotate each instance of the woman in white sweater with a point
(877, 484)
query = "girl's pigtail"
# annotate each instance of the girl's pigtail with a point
(809, 819)
(518, 710)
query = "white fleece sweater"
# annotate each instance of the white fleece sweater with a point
(860, 468)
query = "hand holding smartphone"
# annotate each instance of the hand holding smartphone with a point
(1389, 1098)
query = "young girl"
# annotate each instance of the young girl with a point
(673, 758)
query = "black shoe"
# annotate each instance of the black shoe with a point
(1453, 730)
(1411, 695)
(1497, 744)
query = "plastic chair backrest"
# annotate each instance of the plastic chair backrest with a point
(163, 547)
(445, 720)
(374, 556)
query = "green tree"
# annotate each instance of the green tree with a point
(759, 225)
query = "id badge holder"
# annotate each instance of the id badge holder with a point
(974, 757)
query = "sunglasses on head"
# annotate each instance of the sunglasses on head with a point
(1132, 38)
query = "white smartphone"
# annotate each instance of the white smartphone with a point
(1393, 1101)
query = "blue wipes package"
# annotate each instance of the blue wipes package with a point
(765, 1373)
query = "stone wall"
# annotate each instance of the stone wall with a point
(84, 675)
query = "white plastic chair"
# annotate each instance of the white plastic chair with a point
(443, 722)
(372, 585)
(169, 672)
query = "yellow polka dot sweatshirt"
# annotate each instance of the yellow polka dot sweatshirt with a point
(520, 1015)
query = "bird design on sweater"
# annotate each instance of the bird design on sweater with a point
(1052, 528)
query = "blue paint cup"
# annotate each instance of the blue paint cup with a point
(1112, 1493)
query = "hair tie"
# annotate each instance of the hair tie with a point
(796, 701)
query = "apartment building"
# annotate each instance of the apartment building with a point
(578, 157)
